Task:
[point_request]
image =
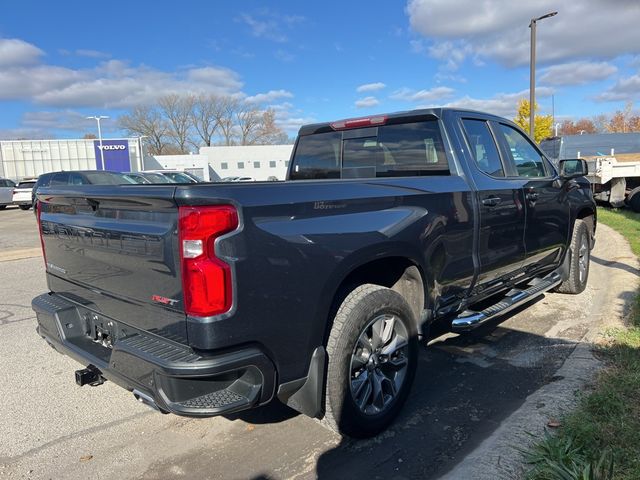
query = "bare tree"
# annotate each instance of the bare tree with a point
(257, 127)
(205, 115)
(226, 119)
(583, 125)
(600, 121)
(249, 124)
(178, 110)
(270, 133)
(147, 121)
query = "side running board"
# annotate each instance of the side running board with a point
(469, 319)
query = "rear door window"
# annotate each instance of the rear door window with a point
(483, 147)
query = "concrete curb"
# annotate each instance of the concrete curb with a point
(499, 456)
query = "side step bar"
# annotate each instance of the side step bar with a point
(469, 319)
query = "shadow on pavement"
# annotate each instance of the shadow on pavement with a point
(465, 386)
(614, 264)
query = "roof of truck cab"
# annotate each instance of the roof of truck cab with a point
(419, 114)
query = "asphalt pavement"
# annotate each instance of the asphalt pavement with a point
(467, 389)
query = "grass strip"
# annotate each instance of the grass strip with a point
(600, 440)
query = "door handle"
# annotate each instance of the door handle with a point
(491, 201)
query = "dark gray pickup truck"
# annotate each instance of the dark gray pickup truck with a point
(206, 299)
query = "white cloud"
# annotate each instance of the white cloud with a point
(451, 53)
(270, 96)
(111, 84)
(23, 132)
(15, 52)
(25, 82)
(370, 87)
(498, 28)
(211, 79)
(69, 120)
(270, 25)
(367, 102)
(624, 89)
(116, 84)
(577, 73)
(289, 118)
(502, 104)
(83, 52)
(284, 56)
(435, 93)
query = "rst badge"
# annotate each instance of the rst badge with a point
(163, 300)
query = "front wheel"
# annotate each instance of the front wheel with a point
(633, 200)
(25, 207)
(580, 257)
(372, 350)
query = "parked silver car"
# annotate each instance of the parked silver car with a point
(6, 192)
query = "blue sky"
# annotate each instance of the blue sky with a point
(311, 61)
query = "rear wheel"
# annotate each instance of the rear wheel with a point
(580, 258)
(633, 199)
(25, 207)
(372, 350)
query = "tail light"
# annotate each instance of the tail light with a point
(39, 210)
(206, 280)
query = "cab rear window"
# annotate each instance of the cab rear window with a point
(400, 150)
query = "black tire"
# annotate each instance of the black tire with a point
(357, 315)
(24, 207)
(633, 199)
(579, 264)
(2, 207)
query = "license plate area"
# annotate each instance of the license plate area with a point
(100, 330)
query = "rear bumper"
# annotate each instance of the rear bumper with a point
(24, 199)
(170, 375)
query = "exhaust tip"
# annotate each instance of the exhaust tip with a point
(146, 399)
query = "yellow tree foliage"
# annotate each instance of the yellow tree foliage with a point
(543, 123)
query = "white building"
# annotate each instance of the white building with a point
(197, 165)
(255, 161)
(30, 158)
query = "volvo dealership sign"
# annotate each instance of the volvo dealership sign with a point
(115, 153)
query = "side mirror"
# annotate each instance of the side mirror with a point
(573, 168)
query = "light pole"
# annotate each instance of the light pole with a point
(557, 125)
(142, 151)
(532, 72)
(97, 118)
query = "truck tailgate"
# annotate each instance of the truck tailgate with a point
(114, 249)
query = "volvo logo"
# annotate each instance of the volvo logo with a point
(112, 147)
